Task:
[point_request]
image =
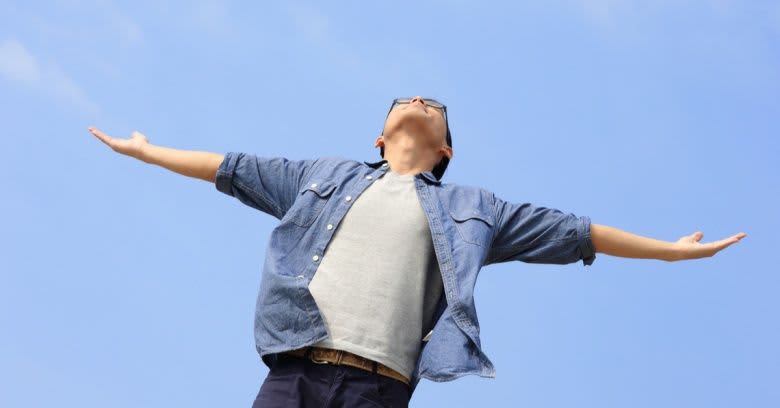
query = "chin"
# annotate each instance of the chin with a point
(413, 119)
(416, 115)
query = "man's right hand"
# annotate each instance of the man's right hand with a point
(133, 147)
(202, 165)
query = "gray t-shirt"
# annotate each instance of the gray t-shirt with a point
(378, 283)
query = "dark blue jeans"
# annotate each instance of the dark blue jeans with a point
(295, 382)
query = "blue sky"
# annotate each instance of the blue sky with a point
(124, 285)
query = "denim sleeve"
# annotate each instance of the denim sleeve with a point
(534, 234)
(266, 184)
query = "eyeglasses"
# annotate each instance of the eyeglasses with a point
(433, 103)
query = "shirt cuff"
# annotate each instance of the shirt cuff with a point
(224, 180)
(587, 253)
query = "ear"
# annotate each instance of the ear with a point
(380, 141)
(447, 152)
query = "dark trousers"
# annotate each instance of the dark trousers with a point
(295, 382)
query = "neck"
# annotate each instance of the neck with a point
(406, 156)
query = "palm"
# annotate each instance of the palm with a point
(131, 147)
(691, 248)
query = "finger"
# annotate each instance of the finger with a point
(140, 136)
(100, 135)
(733, 239)
(695, 237)
(724, 243)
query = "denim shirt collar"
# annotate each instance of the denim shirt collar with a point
(427, 175)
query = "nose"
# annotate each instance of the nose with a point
(418, 99)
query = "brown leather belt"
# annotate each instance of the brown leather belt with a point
(321, 355)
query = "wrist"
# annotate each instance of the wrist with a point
(672, 253)
(143, 153)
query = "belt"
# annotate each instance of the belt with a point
(321, 355)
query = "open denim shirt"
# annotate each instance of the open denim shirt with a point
(470, 228)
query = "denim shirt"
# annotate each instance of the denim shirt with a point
(470, 228)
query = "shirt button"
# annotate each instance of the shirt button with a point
(369, 177)
(349, 198)
(329, 227)
(315, 258)
(314, 185)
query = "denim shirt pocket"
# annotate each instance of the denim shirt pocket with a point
(310, 202)
(473, 226)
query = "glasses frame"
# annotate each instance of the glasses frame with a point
(433, 103)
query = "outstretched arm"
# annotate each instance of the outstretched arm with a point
(202, 165)
(612, 241)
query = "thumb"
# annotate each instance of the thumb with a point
(697, 236)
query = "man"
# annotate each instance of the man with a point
(369, 276)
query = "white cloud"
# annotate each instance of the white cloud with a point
(104, 18)
(314, 25)
(18, 65)
(123, 27)
(316, 28)
(128, 31)
(775, 18)
(610, 12)
(323, 33)
(601, 11)
(212, 16)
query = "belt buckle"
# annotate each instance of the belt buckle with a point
(339, 357)
(310, 354)
(314, 360)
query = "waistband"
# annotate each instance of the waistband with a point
(322, 355)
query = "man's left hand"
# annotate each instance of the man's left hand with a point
(689, 247)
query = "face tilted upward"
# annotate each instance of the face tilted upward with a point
(426, 121)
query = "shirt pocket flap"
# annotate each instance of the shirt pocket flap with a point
(471, 214)
(473, 226)
(322, 188)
